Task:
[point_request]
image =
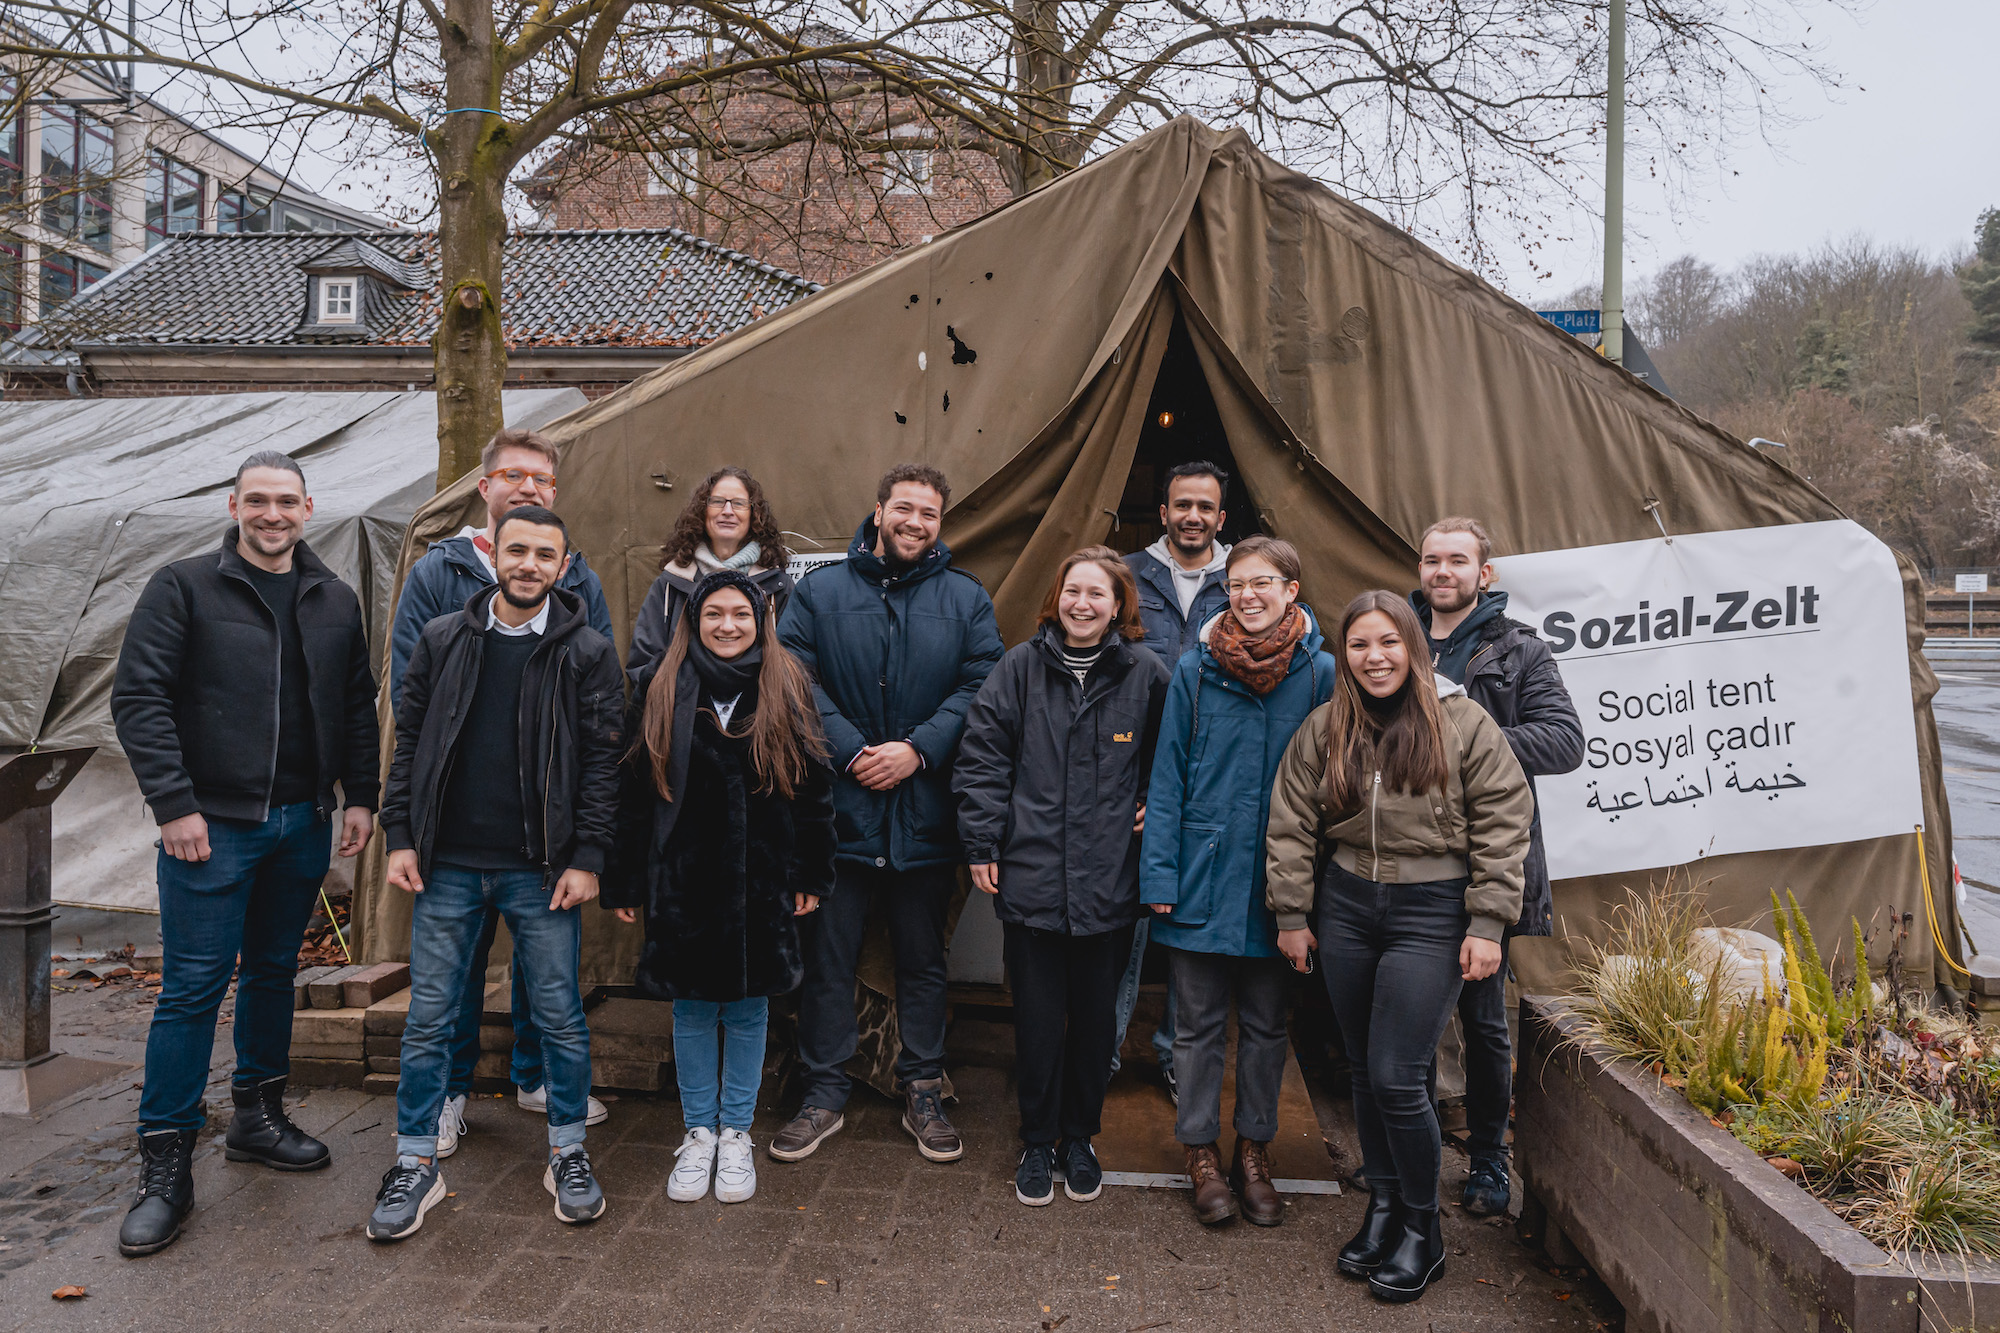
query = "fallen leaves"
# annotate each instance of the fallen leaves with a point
(68, 1293)
(1786, 1166)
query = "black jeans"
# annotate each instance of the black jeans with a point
(1390, 956)
(1065, 1025)
(916, 903)
(1203, 983)
(1489, 1063)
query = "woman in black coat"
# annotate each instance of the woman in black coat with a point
(1051, 777)
(726, 837)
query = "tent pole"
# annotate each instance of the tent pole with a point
(1613, 322)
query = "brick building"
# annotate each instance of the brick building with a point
(812, 208)
(231, 313)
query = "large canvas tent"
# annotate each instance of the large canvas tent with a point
(1363, 386)
(99, 493)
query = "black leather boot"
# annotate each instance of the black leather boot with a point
(1379, 1230)
(1416, 1261)
(166, 1192)
(261, 1132)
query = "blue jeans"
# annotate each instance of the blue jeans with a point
(250, 899)
(1128, 1000)
(725, 1097)
(527, 1059)
(445, 922)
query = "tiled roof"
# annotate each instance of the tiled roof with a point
(657, 287)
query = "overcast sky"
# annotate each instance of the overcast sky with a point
(1907, 152)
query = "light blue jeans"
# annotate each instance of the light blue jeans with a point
(1128, 999)
(445, 924)
(720, 1095)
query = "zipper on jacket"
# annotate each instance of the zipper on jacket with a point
(549, 770)
(1374, 812)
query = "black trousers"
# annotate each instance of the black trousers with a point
(1489, 1063)
(1065, 1026)
(1389, 953)
(916, 903)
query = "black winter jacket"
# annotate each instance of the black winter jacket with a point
(714, 870)
(667, 599)
(893, 658)
(572, 725)
(1049, 777)
(195, 699)
(1513, 676)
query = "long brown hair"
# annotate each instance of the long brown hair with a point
(1405, 742)
(691, 528)
(784, 730)
(1126, 624)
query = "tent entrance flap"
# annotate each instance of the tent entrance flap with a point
(1182, 425)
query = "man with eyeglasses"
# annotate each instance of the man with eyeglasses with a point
(517, 468)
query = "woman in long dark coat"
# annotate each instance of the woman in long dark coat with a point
(726, 838)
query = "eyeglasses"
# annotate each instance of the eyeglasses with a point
(728, 504)
(1260, 586)
(514, 476)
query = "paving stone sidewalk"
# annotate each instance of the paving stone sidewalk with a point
(865, 1235)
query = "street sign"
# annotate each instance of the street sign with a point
(1585, 324)
(1971, 583)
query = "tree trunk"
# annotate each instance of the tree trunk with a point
(1044, 93)
(475, 151)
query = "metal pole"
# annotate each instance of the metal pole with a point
(1613, 327)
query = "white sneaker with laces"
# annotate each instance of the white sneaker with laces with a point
(735, 1167)
(696, 1155)
(451, 1124)
(537, 1101)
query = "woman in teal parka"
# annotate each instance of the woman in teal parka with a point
(1231, 709)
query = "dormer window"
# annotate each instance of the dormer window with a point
(336, 300)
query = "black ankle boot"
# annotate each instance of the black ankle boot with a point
(1416, 1261)
(1379, 1230)
(166, 1192)
(261, 1132)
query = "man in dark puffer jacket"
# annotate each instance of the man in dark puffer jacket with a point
(898, 642)
(1513, 676)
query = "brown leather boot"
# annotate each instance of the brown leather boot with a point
(1213, 1202)
(1250, 1177)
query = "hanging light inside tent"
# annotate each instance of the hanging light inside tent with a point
(1166, 420)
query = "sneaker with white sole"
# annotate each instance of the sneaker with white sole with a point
(537, 1101)
(410, 1188)
(451, 1124)
(568, 1177)
(735, 1171)
(694, 1165)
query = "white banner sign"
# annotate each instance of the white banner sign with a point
(1740, 691)
(803, 563)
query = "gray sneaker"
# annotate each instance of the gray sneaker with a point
(578, 1199)
(803, 1134)
(410, 1189)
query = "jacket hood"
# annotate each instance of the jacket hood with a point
(1447, 686)
(1164, 553)
(1492, 606)
(861, 556)
(1048, 640)
(566, 612)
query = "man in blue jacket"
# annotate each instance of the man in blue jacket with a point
(1180, 588)
(898, 642)
(517, 467)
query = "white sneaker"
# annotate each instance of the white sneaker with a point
(451, 1124)
(735, 1167)
(538, 1102)
(696, 1155)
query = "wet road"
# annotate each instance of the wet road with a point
(1968, 719)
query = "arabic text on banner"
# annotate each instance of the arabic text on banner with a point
(1739, 691)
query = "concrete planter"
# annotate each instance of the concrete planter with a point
(1690, 1229)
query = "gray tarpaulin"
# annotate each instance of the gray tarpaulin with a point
(97, 494)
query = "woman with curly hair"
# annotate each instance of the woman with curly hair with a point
(727, 525)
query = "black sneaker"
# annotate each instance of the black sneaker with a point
(1082, 1177)
(1173, 1084)
(1486, 1190)
(568, 1177)
(1034, 1178)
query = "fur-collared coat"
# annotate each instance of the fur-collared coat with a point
(714, 878)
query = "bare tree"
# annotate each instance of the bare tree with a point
(1467, 113)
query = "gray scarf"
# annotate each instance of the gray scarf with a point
(745, 558)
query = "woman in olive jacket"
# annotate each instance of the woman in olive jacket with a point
(1051, 780)
(1424, 812)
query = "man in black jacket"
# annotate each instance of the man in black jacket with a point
(898, 642)
(503, 794)
(243, 694)
(1512, 675)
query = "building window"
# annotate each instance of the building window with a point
(906, 170)
(10, 143)
(10, 285)
(173, 198)
(76, 176)
(63, 276)
(675, 171)
(243, 210)
(336, 300)
(304, 219)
